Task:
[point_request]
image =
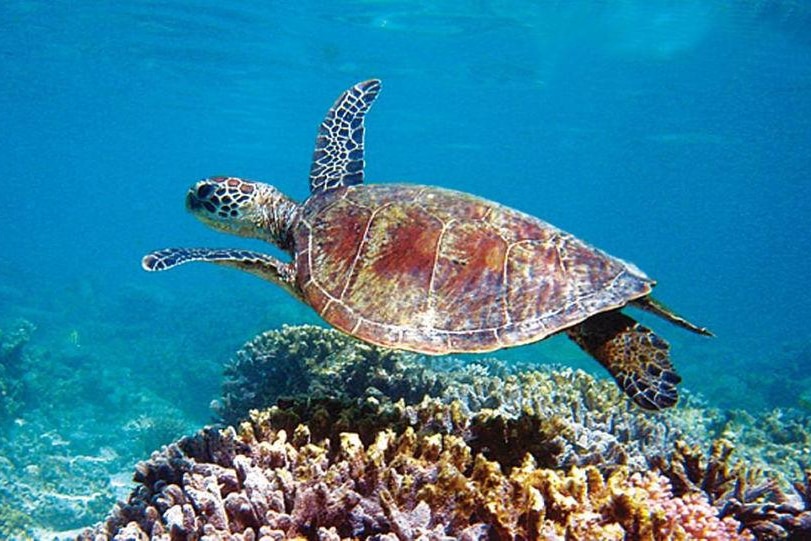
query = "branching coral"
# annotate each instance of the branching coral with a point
(742, 492)
(769, 512)
(264, 484)
(362, 442)
(690, 472)
(563, 417)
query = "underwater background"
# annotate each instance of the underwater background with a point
(675, 135)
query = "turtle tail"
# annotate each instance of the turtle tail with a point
(637, 358)
(653, 306)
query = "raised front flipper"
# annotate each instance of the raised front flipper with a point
(338, 155)
(262, 265)
(637, 358)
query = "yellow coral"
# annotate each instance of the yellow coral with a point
(423, 485)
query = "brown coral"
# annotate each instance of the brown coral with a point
(782, 516)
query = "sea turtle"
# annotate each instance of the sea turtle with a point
(432, 270)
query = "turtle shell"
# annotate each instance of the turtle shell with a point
(438, 271)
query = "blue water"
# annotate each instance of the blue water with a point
(672, 134)
(675, 135)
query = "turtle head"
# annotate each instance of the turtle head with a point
(244, 208)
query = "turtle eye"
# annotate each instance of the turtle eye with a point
(204, 191)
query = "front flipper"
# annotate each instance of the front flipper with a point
(638, 360)
(262, 265)
(338, 155)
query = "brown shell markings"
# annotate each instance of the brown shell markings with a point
(438, 271)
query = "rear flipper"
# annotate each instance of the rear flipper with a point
(637, 358)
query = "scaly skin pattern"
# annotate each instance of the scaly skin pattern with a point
(439, 271)
(635, 356)
(244, 208)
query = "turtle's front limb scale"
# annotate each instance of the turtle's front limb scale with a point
(637, 358)
(262, 265)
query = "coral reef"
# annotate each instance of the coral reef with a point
(563, 417)
(263, 484)
(12, 368)
(337, 439)
(566, 417)
(308, 360)
(71, 437)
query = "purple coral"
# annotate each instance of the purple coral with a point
(487, 459)
(687, 517)
(261, 484)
